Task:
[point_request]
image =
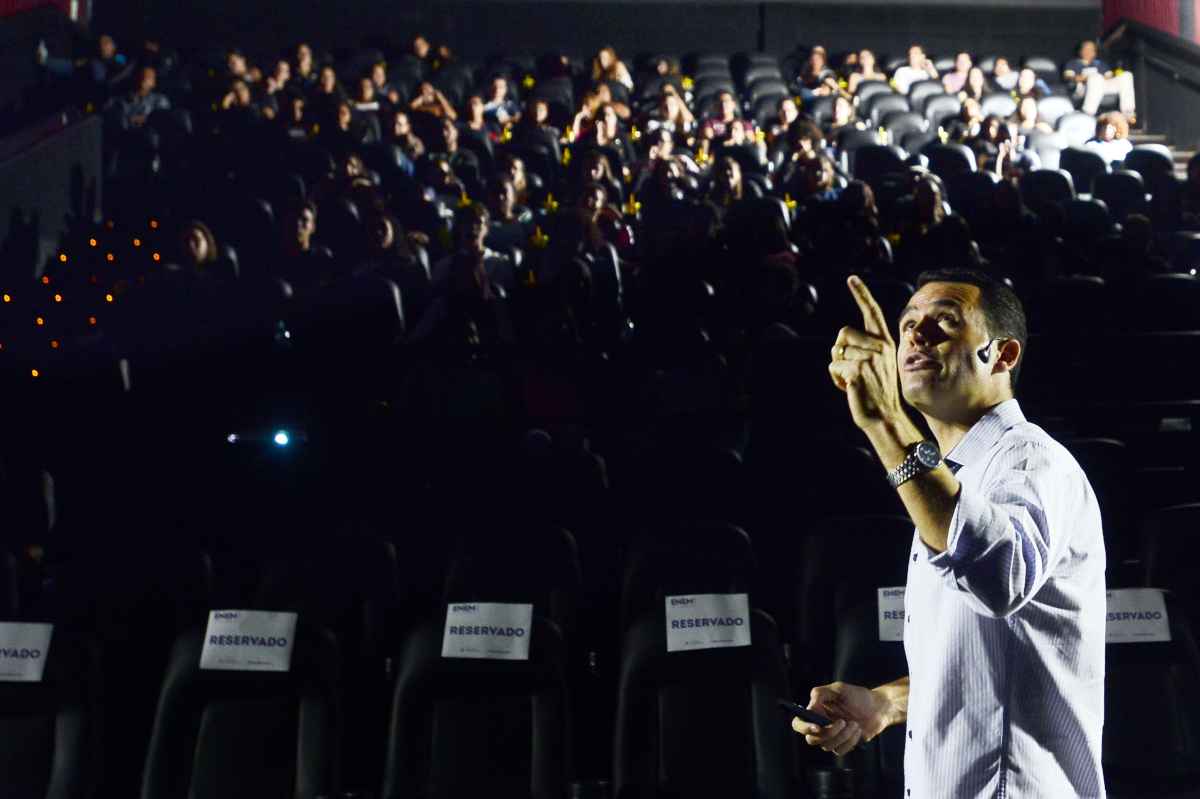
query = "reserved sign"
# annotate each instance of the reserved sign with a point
(707, 621)
(1136, 615)
(488, 630)
(248, 640)
(891, 613)
(23, 651)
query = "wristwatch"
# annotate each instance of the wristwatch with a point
(923, 456)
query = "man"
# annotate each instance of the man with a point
(919, 67)
(500, 107)
(1005, 597)
(1003, 74)
(132, 110)
(1093, 80)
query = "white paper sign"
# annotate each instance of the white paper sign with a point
(891, 614)
(1136, 615)
(248, 640)
(23, 651)
(707, 621)
(488, 630)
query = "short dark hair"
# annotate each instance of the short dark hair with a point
(1001, 308)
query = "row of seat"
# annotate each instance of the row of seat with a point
(240, 734)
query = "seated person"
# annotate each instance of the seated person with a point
(1003, 75)
(607, 66)
(1027, 118)
(726, 186)
(718, 129)
(843, 118)
(1112, 137)
(510, 223)
(785, 114)
(976, 86)
(130, 111)
(499, 107)
(1093, 79)
(1030, 85)
(401, 133)
(383, 87)
(430, 100)
(955, 81)
(868, 69)
(968, 123)
(816, 79)
(472, 224)
(919, 67)
(671, 114)
(812, 182)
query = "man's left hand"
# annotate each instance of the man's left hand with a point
(863, 364)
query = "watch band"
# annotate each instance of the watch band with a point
(913, 465)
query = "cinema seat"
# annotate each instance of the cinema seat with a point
(245, 735)
(464, 728)
(1155, 686)
(49, 730)
(702, 723)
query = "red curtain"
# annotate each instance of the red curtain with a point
(1161, 14)
(16, 6)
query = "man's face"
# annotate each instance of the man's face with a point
(306, 224)
(940, 332)
(728, 107)
(283, 72)
(499, 88)
(236, 63)
(787, 111)
(304, 54)
(916, 57)
(108, 47)
(378, 76)
(503, 199)
(541, 112)
(147, 81)
(343, 116)
(420, 47)
(1087, 51)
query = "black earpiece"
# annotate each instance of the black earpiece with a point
(984, 352)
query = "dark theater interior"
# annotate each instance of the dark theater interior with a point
(599, 399)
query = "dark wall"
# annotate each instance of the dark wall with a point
(42, 188)
(475, 29)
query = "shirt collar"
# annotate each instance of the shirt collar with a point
(986, 432)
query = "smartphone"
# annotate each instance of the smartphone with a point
(803, 713)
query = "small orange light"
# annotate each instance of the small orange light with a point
(92, 242)
(62, 257)
(58, 298)
(54, 344)
(39, 321)
(35, 373)
(92, 321)
(108, 298)
(137, 242)
(45, 280)
(157, 257)
(7, 298)
(154, 224)
(110, 257)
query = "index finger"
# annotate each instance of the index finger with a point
(874, 321)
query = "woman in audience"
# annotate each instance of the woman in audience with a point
(366, 101)
(1003, 75)
(1112, 137)
(1030, 85)
(401, 134)
(196, 248)
(843, 118)
(955, 81)
(430, 100)
(606, 66)
(867, 70)
(671, 114)
(816, 79)
(928, 211)
(975, 86)
(1027, 118)
(726, 187)
(967, 124)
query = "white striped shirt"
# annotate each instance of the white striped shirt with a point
(1004, 630)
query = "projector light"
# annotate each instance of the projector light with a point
(282, 439)
(232, 438)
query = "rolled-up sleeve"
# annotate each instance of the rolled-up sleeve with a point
(1002, 545)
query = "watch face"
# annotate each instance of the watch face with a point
(928, 454)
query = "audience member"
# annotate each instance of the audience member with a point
(1093, 79)
(606, 66)
(867, 70)
(131, 110)
(956, 81)
(919, 67)
(1112, 137)
(1003, 75)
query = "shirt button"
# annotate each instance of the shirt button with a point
(909, 619)
(910, 735)
(914, 557)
